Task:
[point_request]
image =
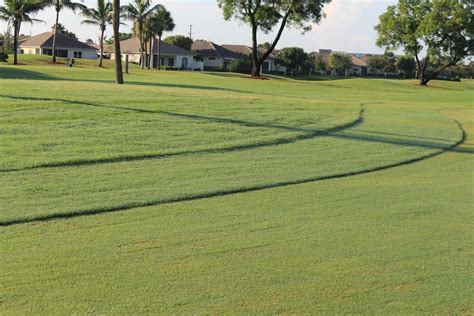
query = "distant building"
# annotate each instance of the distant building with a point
(269, 65)
(213, 55)
(358, 65)
(66, 47)
(170, 55)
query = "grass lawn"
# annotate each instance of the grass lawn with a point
(186, 192)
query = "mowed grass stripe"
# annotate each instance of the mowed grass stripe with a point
(209, 195)
(309, 134)
(45, 193)
(108, 138)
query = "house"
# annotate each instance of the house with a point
(170, 55)
(213, 55)
(358, 65)
(66, 47)
(269, 65)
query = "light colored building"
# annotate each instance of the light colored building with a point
(213, 55)
(170, 55)
(66, 47)
(269, 65)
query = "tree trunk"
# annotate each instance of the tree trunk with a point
(159, 52)
(53, 51)
(257, 62)
(118, 54)
(150, 50)
(16, 30)
(101, 44)
(256, 67)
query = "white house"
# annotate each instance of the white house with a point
(170, 55)
(66, 47)
(269, 65)
(213, 55)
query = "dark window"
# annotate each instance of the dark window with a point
(171, 62)
(212, 58)
(77, 54)
(162, 61)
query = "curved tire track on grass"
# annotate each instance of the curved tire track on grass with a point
(308, 134)
(129, 206)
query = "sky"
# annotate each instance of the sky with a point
(348, 26)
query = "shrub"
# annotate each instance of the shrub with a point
(240, 66)
(3, 56)
(168, 68)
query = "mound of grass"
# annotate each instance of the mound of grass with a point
(390, 235)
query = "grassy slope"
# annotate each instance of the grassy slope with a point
(397, 240)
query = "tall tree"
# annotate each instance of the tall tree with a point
(118, 53)
(442, 28)
(61, 29)
(101, 16)
(58, 6)
(160, 22)
(15, 12)
(406, 65)
(339, 62)
(122, 37)
(184, 42)
(292, 57)
(264, 15)
(138, 11)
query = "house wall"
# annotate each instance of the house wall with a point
(217, 62)
(86, 53)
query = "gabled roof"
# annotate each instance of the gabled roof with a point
(62, 41)
(212, 50)
(132, 46)
(357, 61)
(246, 50)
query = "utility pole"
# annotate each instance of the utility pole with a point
(191, 31)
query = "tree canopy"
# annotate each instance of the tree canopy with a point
(265, 15)
(62, 30)
(442, 28)
(182, 41)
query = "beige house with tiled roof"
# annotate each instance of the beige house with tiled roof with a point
(358, 63)
(213, 55)
(170, 55)
(269, 65)
(66, 47)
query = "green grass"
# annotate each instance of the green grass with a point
(185, 192)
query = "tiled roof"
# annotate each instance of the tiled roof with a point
(62, 41)
(212, 50)
(132, 46)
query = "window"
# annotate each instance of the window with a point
(212, 58)
(171, 62)
(77, 54)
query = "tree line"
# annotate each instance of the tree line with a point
(442, 30)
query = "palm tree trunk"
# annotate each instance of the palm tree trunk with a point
(159, 52)
(101, 46)
(53, 51)
(150, 56)
(16, 30)
(118, 54)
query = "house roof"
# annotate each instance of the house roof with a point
(357, 61)
(209, 49)
(246, 50)
(62, 41)
(132, 46)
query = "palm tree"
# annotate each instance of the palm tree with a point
(58, 6)
(17, 11)
(101, 16)
(160, 22)
(138, 11)
(118, 53)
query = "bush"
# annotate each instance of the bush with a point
(3, 56)
(168, 68)
(218, 69)
(240, 66)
